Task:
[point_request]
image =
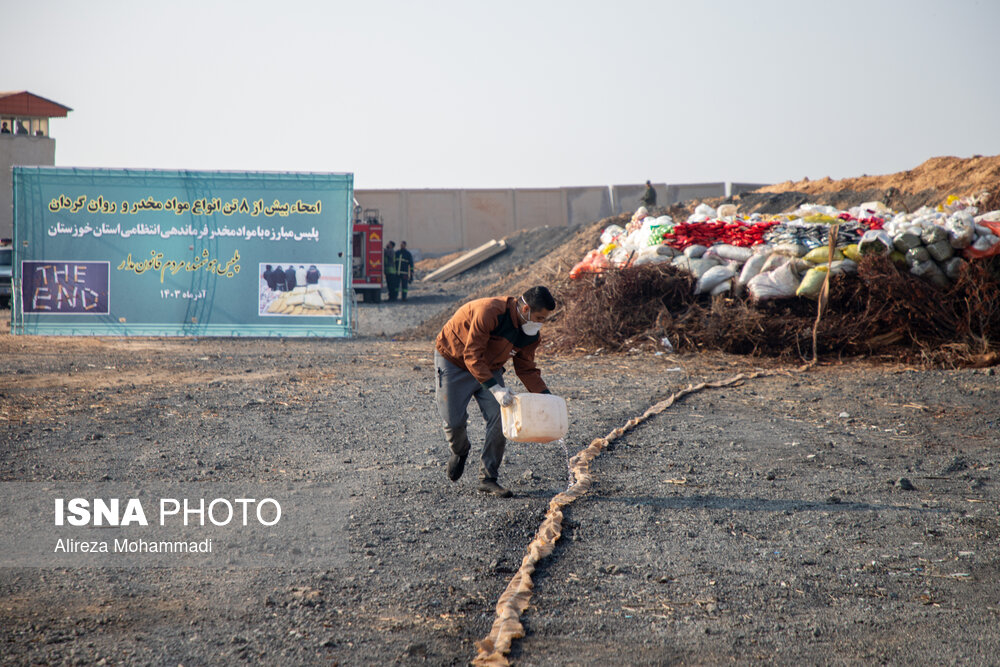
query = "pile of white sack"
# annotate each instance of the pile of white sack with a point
(933, 243)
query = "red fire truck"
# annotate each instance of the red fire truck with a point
(366, 252)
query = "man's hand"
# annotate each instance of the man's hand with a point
(502, 394)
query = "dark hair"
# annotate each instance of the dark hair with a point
(539, 298)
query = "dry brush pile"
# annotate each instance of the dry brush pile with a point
(881, 311)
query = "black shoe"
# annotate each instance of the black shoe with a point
(491, 486)
(456, 465)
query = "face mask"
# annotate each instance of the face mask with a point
(531, 328)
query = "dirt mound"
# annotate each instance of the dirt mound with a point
(926, 185)
(957, 176)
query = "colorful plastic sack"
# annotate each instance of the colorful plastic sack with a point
(852, 252)
(657, 228)
(812, 283)
(790, 249)
(593, 262)
(986, 249)
(821, 255)
(611, 232)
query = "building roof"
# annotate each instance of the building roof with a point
(23, 103)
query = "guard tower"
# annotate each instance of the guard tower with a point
(24, 140)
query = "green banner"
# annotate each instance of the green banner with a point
(181, 253)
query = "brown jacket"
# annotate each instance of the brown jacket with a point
(483, 334)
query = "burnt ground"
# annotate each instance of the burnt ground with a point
(772, 521)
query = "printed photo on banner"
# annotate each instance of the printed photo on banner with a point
(300, 289)
(65, 287)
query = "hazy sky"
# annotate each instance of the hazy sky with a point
(423, 94)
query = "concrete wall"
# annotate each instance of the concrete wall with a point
(436, 222)
(540, 208)
(585, 205)
(432, 218)
(16, 149)
(486, 214)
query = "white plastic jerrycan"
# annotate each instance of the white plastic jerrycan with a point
(535, 418)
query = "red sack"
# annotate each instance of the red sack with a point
(972, 253)
(593, 262)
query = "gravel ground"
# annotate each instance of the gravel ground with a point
(389, 318)
(845, 515)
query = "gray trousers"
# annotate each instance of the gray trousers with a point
(453, 389)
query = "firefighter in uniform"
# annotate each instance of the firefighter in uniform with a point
(404, 268)
(389, 268)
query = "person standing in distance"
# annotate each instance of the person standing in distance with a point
(389, 269)
(648, 198)
(404, 269)
(469, 357)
